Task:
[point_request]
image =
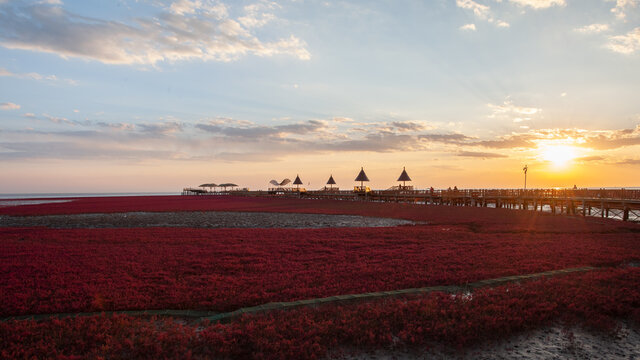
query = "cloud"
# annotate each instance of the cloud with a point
(483, 155)
(510, 141)
(36, 76)
(482, 12)
(407, 126)
(509, 110)
(620, 10)
(161, 129)
(468, 27)
(9, 106)
(258, 15)
(625, 44)
(479, 10)
(539, 4)
(589, 158)
(255, 132)
(629, 162)
(445, 138)
(592, 29)
(189, 30)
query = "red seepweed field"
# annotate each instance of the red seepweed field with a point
(49, 271)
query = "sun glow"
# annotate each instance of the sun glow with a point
(558, 155)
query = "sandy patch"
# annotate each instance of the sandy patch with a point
(551, 343)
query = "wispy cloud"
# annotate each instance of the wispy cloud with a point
(9, 106)
(36, 76)
(622, 6)
(482, 12)
(508, 110)
(468, 27)
(482, 155)
(539, 4)
(592, 29)
(625, 44)
(183, 31)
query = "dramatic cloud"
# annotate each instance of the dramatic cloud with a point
(483, 155)
(625, 44)
(186, 30)
(593, 29)
(9, 106)
(539, 4)
(468, 27)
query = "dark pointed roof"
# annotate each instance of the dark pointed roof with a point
(297, 181)
(404, 176)
(362, 176)
(331, 181)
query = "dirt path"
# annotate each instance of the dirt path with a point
(215, 317)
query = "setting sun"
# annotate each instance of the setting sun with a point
(558, 155)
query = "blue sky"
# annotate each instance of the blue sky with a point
(156, 95)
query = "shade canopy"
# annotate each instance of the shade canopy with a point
(227, 185)
(331, 181)
(362, 176)
(208, 185)
(404, 176)
(297, 181)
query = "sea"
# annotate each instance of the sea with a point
(76, 195)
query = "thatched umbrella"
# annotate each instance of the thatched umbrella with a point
(404, 177)
(297, 182)
(226, 185)
(362, 177)
(331, 182)
(212, 185)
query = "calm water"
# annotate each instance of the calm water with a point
(74, 195)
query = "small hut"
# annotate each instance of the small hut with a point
(404, 177)
(331, 182)
(297, 182)
(362, 177)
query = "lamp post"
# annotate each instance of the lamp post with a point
(525, 168)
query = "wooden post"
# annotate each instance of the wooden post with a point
(625, 214)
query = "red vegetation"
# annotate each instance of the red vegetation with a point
(45, 270)
(483, 219)
(597, 300)
(48, 271)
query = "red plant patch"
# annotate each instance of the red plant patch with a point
(596, 300)
(49, 271)
(481, 218)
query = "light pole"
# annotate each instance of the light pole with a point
(525, 168)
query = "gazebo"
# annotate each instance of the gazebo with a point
(362, 177)
(331, 182)
(212, 185)
(226, 185)
(297, 182)
(404, 177)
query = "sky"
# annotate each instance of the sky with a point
(150, 95)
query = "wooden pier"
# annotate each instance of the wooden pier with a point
(623, 204)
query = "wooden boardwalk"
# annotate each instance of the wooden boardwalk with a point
(623, 204)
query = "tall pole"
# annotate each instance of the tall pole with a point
(525, 168)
